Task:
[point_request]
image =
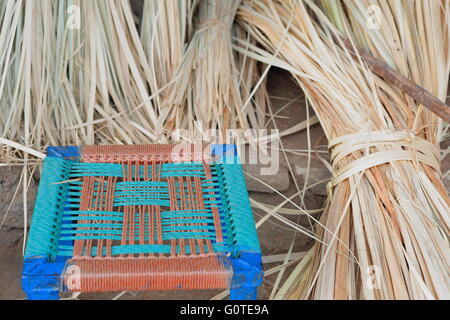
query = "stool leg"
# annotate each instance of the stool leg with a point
(243, 293)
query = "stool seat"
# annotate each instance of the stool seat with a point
(134, 218)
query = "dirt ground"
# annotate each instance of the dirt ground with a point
(288, 104)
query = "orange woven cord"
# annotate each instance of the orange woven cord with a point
(151, 246)
(137, 274)
(85, 205)
(102, 200)
(109, 207)
(159, 152)
(156, 209)
(215, 211)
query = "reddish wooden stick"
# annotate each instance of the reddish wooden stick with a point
(403, 83)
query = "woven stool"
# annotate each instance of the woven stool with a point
(134, 218)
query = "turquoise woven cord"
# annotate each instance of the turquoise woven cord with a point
(49, 206)
(137, 249)
(182, 169)
(146, 193)
(235, 213)
(180, 223)
(238, 205)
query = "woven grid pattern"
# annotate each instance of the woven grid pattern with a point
(133, 208)
(143, 218)
(145, 202)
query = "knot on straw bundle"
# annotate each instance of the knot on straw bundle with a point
(374, 148)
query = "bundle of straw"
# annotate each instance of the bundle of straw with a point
(216, 89)
(166, 31)
(79, 72)
(71, 74)
(385, 229)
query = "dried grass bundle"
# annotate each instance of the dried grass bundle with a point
(71, 76)
(166, 31)
(385, 229)
(80, 72)
(216, 89)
